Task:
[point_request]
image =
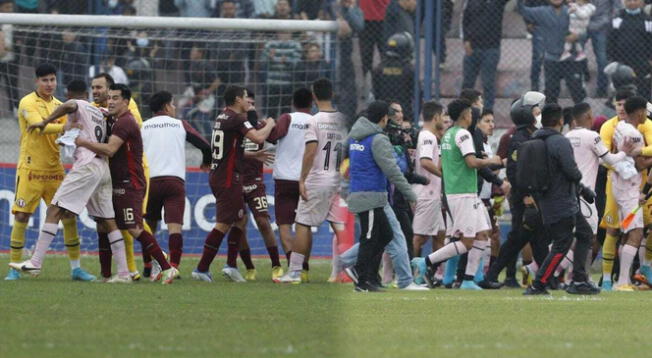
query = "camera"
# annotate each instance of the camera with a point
(587, 194)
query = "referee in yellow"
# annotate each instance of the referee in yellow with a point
(39, 172)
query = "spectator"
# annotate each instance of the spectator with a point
(121, 6)
(264, 8)
(482, 28)
(537, 46)
(9, 57)
(580, 14)
(598, 29)
(141, 58)
(630, 43)
(312, 68)
(399, 18)
(371, 35)
(447, 17)
(351, 20)
(199, 101)
(107, 65)
(167, 8)
(194, 8)
(244, 9)
(230, 54)
(74, 64)
(75, 7)
(279, 58)
(312, 9)
(283, 10)
(394, 76)
(553, 20)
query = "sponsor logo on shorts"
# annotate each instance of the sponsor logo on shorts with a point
(249, 188)
(119, 191)
(44, 177)
(609, 219)
(240, 213)
(20, 203)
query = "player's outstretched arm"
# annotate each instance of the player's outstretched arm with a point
(258, 136)
(106, 149)
(65, 108)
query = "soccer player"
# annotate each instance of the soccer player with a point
(289, 135)
(231, 127)
(100, 91)
(469, 217)
(39, 171)
(125, 148)
(610, 219)
(428, 220)
(88, 184)
(320, 178)
(164, 140)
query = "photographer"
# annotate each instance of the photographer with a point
(559, 206)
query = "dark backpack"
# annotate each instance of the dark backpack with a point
(533, 167)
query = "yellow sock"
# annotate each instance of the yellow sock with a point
(71, 238)
(17, 241)
(147, 228)
(129, 250)
(608, 255)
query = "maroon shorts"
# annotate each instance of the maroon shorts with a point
(286, 200)
(166, 192)
(256, 198)
(128, 207)
(229, 201)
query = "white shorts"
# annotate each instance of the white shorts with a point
(323, 204)
(590, 212)
(428, 219)
(469, 215)
(87, 186)
(624, 208)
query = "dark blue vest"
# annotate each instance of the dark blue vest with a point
(364, 173)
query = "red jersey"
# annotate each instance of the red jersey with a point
(252, 169)
(226, 146)
(126, 165)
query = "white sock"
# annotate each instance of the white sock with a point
(565, 263)
(296, 261)
(388, 268)
(119, 254)
(475, 254)
(74, 264)
(533, 267)
(448, 251)
(627, 254)
(487, 257)
(641, 253)
(440, 272)
(45, 237)
(335, 266)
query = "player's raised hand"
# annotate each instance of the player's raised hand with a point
(264, 156)
(41, 125)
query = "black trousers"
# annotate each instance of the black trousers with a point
(561, 233)
(571, 72)
(371, 35)
(375, 234)
(518, 237)
(405, 217)
(9, 72)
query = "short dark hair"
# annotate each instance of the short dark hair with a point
(323, 89)
(567, 113)
(470, 94)
(302, 98)
(106, 76)
(77, 87)
(580, 109)
(551, 114)
(377, 110)
(45, 69)
(250, 93)
(125, 92)
(623, 93)
(487, 112)
(159, 100)
(456, 107)
(231, 92)
(431, 109)
(635, 103)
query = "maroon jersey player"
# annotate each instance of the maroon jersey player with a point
(231, 127)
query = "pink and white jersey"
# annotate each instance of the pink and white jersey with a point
(587, 150)
(427, 148)
(93, 129)
(626, 189)
(328, 129)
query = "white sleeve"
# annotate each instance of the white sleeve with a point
(597, 146)
(464, 141)
(427, 147)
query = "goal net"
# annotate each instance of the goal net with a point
(195, 59)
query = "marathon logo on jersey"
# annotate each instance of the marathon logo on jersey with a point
(161, 125)
(356, 147)
(44, 177)
(249, 188)
(249, 146)
(299, 126)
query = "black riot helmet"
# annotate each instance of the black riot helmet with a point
(621, 76)
(521, 112)
(400, 45)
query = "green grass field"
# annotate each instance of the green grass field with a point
(51, 316)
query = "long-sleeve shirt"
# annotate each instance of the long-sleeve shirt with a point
(630, 41)
(553, 26)
(482, 22)
(194, 8)
(604, 12)
(580, 17)
(397, 20)
(279, 58)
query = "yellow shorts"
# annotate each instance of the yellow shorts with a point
(34, 185)
(610, 219)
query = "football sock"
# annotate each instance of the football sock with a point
(233, 241)
(296, 261)
(473, 260)
(150, 246)
(533, 267)
(273, 255)
(71, 241)
(129, 250)
(486, 257)
(245, 255)
(648, 250)
(446, 252)
(176, 249)
(17, 241)
(45, 237)
(608, 256)
(105, 253)
(211, 246)
(641, 253)
(627, 254)
(118, 249)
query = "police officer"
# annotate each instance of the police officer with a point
(394, 76)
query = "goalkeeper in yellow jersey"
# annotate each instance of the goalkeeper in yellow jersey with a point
(39, 172)
(100, 90)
